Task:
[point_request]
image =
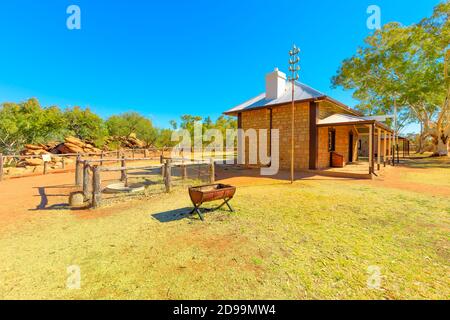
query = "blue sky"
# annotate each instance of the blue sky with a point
(180, 57)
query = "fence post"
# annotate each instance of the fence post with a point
(96, 187)
(212, 171)
(168, 177)
(183, 170)
(63, 162)
(86, 180)
(45, 167)
(101, 158)
(163, 167)
(123, 172)
(393, 155)
(118, 155)
(145, 153)
(1, 166)
(398, 153)
(78, 171)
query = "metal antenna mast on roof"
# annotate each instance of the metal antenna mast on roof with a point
(447, 79)
(294, 68)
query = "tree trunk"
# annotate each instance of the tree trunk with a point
(421, 138)
(441, 142)
(441, 149)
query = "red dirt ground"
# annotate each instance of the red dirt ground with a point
(22, 199)
(19, 197)
(392, 178)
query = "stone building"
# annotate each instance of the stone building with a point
(327, 132)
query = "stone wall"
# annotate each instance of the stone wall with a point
(342, 144)
(254, 119)
(324, 155)
(281, 120)
(364, 151)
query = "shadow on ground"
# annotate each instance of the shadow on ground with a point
(174, 215)
(44, 205)
(427, 163)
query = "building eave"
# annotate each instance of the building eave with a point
(355, 123)
(317, 99)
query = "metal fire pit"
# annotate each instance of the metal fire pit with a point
(208, 193)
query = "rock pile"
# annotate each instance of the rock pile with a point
(74, 145)
(70, 145)
(37, 149)
(130, 142)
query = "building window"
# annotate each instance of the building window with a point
(331, 140)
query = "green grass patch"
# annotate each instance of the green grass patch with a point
(310, 240)
(439, 177)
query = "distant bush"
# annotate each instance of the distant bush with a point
(30, 123)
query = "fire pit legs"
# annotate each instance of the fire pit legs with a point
(226, 202)
(200, 214)
(197, 210)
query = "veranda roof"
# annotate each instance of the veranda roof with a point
(346, 119)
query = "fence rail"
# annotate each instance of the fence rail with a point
(98, 157)
(1, 167)
(102, 157)
(92, 187)
(88, 154)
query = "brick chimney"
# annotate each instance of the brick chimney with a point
(275, 84)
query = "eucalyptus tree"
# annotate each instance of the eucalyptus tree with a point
(403, 66)
(28, 122)
(126, 124)
(86, 125)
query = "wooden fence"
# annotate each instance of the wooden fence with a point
(89, 175)
(103, 156)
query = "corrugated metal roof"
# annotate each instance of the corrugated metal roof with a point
(302, 92)
(341, 118)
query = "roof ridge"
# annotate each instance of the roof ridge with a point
(304, 85)
(307, 93)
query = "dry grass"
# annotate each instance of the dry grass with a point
(436, 173)
(312, 240)
(439, 177)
